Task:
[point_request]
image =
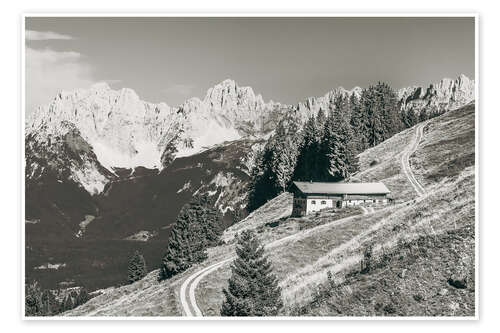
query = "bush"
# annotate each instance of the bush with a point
(367, 261)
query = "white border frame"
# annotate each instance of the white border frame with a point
(255, 14)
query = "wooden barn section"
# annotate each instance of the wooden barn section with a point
(311, 197)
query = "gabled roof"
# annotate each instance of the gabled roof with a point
(341, 188)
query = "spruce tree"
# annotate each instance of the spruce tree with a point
(48, 303)
(136, 268)
(284, 154)
(252, 288)
(358, 124)
(337, 152)
(209, 218)
(320, 124)
(198, 226)
(307, 159)
(83, 296)
(185, 246)
(260, 188)
(33, 302)
(68, 303)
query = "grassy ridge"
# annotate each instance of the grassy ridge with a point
(417, 245)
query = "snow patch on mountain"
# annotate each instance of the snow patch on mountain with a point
(91, 132)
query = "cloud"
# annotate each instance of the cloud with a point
(180, 89)
(48, 72)
(45, 35)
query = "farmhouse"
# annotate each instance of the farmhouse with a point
(310, 197)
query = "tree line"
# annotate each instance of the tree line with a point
(40, 302)
(325, 148)
(198, 227)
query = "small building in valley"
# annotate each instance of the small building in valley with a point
(311, 197)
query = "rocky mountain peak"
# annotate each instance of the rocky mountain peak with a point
(228, 95)
(443, 95)
(125, 131)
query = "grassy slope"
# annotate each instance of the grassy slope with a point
(427, 242)
(301, 262)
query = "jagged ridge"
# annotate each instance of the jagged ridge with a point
(123, 131)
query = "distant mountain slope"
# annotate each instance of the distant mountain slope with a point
(103, 164)
(440, 222)
(119, 130)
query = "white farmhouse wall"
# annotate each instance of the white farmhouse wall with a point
(314, 205)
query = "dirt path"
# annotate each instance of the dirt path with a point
(405, 160)
(188, 287)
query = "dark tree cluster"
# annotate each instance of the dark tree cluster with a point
(253, 288)
(326, 147)
(136, 267)
(45, 303)
(198, 227)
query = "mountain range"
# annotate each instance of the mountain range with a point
(102, 165)
(87, 134)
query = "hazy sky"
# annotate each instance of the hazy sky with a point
(284, 59)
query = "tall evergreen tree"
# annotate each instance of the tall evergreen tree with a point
(197, 227)
(136, 268)
(338, 150)
(284, 154)
(68, 303)
(209, 218)
(185, 246)
(358, 124)
(48, 303)
(389, 110)
(307, 160)
(276, 163)
(83, 295)
(33, 299)
(253, 289)
(260, 188)
(320, 124)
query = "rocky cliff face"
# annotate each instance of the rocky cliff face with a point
(445, 95)
(85, 135)
(119, 130)
(312, 105)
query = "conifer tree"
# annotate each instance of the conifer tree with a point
(83, 296)
(33, 302)
(260, 187)
(252, 289)
(307, 160)
(209, 217)
(68, 303)
(136, 268)
(358, 124)
(320, 124)
(185, 246)
(338, 150)
(284, 154)
(48, 303)
(198, 226)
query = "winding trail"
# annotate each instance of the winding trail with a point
(405, 160)
(188, 287)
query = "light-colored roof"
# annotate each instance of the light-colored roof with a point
(342, 188)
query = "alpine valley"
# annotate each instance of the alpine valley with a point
(107, 173)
